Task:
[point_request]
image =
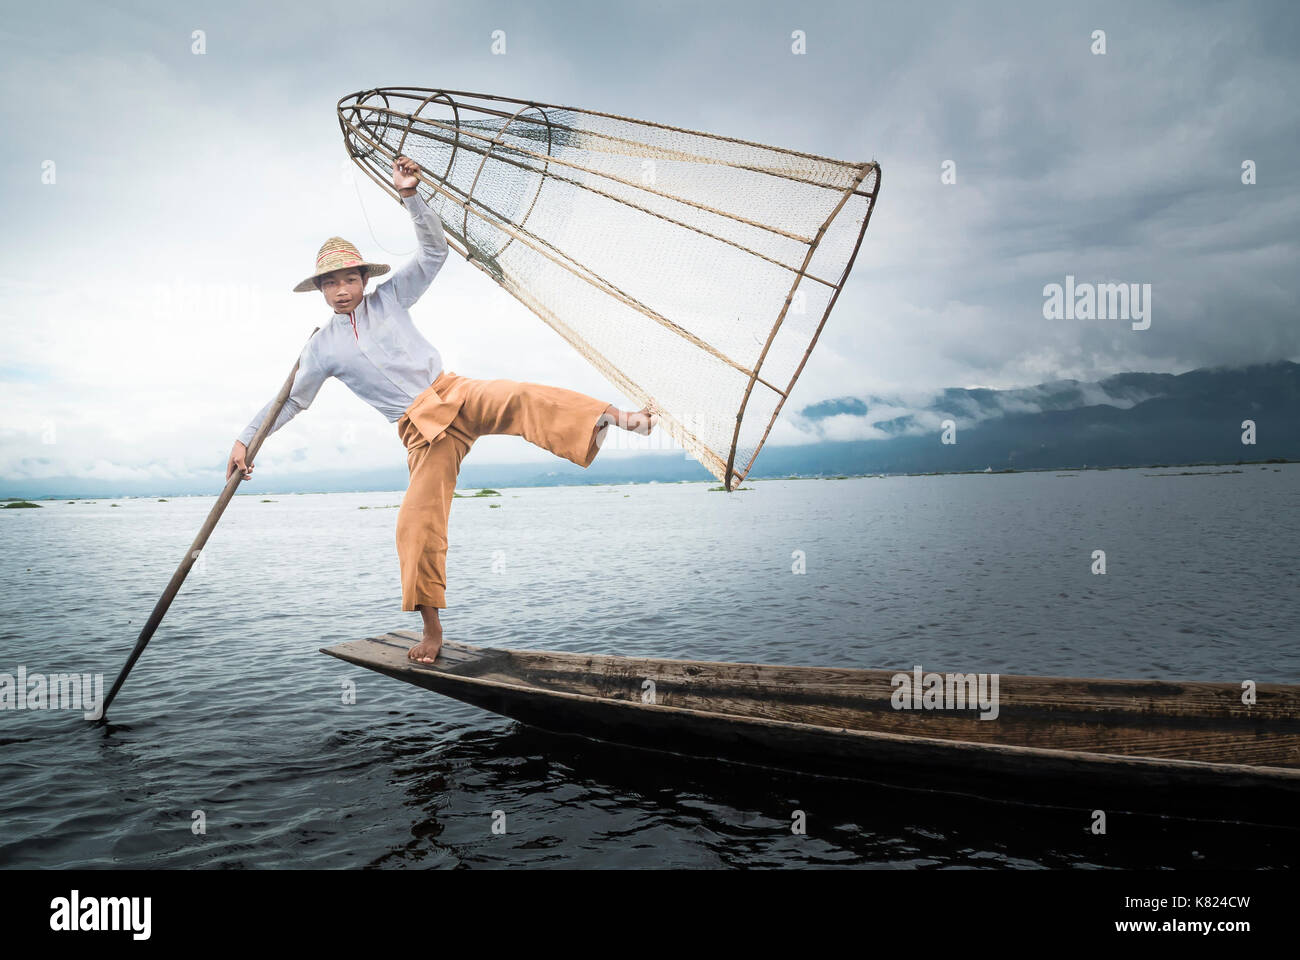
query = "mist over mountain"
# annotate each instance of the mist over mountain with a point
(1130, 419)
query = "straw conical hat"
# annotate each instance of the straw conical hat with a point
(335, 254)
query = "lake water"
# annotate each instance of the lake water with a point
(233, 712)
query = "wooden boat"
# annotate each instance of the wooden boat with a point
(1181, 749)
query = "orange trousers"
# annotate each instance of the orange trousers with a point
(440, 426)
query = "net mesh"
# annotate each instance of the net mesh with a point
(694, 271)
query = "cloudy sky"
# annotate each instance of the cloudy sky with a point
(145, 296)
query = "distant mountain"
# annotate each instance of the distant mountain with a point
(1126, 420)
(1131, 419)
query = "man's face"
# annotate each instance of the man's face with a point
(343, 289)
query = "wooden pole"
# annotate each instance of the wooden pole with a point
(174, 585)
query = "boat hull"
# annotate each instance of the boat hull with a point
(603, 698)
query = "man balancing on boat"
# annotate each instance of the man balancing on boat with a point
(372, 345)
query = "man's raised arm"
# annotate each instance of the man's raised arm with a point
(410, 280)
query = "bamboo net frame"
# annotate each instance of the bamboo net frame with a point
(694, 271)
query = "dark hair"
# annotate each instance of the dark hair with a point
(361, 270)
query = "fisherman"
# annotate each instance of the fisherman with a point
(371, 344)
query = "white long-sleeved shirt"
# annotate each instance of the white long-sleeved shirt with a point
(375, 349)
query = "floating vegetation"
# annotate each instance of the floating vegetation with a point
(1192, 473)
(494, 506)
(18, 504)
(962, 473)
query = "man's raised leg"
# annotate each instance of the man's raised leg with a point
(563, 421)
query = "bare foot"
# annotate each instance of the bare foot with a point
(641, 421)
(426, 651)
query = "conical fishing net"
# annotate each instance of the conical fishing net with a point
(694, 271)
